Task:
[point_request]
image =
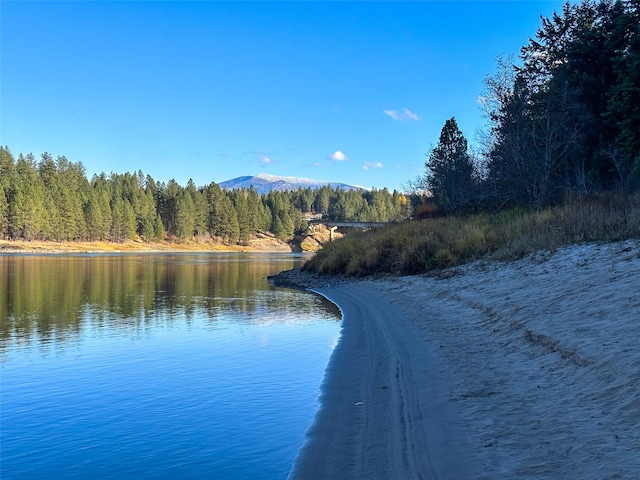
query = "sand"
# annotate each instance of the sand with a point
(521, 370)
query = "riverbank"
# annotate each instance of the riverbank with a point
(265, 244)
(523, 370)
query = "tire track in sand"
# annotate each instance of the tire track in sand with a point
(384, 410)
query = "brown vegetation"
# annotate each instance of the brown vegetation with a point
(257, 243)
(416, 247)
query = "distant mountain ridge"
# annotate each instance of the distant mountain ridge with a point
(264, 183)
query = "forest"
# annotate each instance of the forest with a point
(559, 163)
(52, 199)
(563, 118)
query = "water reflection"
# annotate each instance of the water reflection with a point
(157, 366)
(52, 298)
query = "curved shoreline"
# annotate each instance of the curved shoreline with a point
(534, 363)
(384, 411)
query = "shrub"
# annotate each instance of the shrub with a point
(416, 247)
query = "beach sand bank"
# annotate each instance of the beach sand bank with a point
(525, 370)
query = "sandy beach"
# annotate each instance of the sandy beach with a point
(520, 370)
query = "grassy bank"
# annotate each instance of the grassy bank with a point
(261, 244)
(417, 247)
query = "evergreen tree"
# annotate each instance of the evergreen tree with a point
(259, 216)
(201, 209)
(240, 202)
(70, 194)
(93, 216)
(170, 196)
(303, 199)
(571, 119)
(52, 199)
(623, 107)
(148, 231)
(322, 201)
(300, 223)
(8, 178)
(4, 214)
(450, 170)
(278, 228)
(123, 221)
(214, 194)
(27, 214)
(185, 216)
(227, 226)
(338, 208)
(102, 203)
(130, 225)
(282, 223)
(158, 229)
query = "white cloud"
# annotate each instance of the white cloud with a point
(338, 156)
(264, 160)
(371, 165)
(405, 115)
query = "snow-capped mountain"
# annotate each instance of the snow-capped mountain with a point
(264, 183)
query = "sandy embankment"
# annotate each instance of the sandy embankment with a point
(523, 370)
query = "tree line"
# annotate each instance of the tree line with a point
(52, 199)
(565, 118)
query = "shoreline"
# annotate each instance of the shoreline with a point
(369, 385)
(17, 247)
(526, 369)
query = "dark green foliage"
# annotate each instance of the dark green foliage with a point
(569, 120)
(418, 247)
(53, 200)
(623, 106)
(451, 173)
(4, 213)
(240, 202)
(185, 215)
(158, 229)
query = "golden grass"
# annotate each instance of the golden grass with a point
(37, 246)
(417, 247)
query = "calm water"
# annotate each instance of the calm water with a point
(156, 366)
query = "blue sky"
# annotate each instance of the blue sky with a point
(336, 91)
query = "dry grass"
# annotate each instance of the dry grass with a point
(266, 244)
(418, 247)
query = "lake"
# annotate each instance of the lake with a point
(184, 366)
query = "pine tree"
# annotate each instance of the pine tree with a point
(623, 107)
(170, 206)
(450, 170)
(8, 177)
(70, 194)
(571, 118)
(158, 229)
(227, 226)
(185, 216)
(322, 201)
(102, 202)
(148, 231)
(201, 210)
(123, 221)
(241, 205)
(4, 214)
(93, 216)
(27, 213)
(259, 218)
